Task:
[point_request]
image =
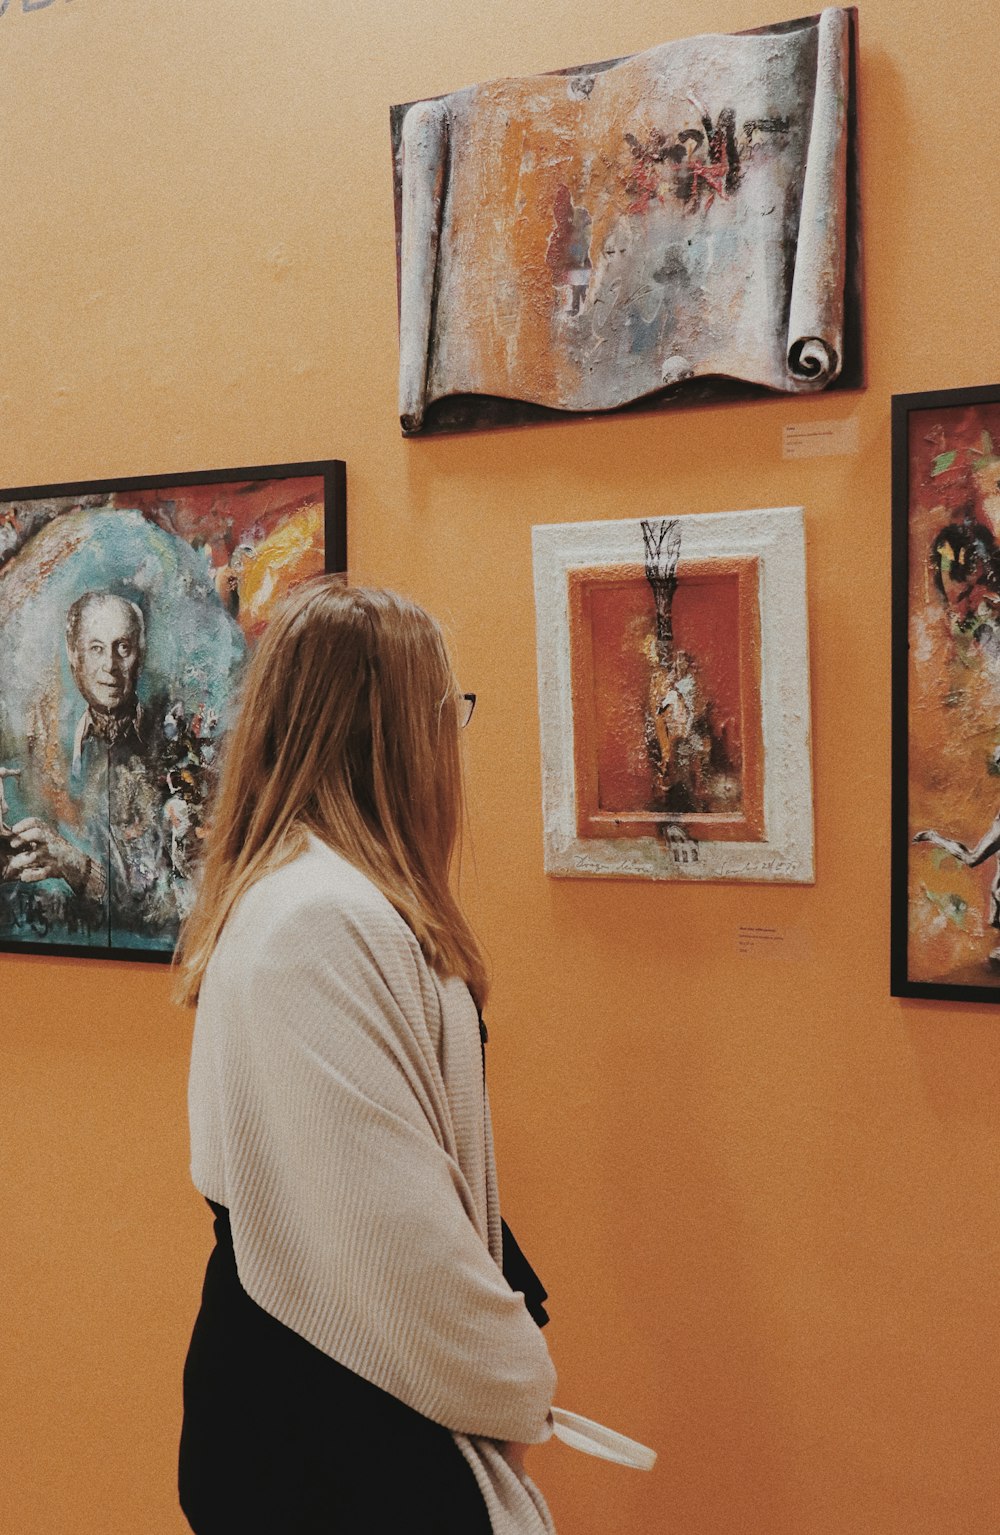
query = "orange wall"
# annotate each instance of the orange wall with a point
(763, 1194)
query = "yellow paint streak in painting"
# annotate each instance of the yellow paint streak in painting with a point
(292, 553)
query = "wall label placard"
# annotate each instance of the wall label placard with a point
(763, 942)
(821, 439)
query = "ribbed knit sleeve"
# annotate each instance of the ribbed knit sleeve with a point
(337, 1110)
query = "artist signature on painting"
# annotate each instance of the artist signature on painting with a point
(27, 6)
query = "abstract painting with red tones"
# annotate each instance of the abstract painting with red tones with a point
(673, 677)
(667, 719)
(677, 225)
(946, 738)
(127, 611)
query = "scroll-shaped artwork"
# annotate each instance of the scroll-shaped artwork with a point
(673, 676)
(676, 225)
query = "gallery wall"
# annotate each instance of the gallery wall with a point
(761, 1193)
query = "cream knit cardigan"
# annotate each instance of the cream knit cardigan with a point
(338, 1111)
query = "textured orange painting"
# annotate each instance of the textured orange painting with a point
(667, 721)
(948, 512)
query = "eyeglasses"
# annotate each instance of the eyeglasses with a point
(466, 705)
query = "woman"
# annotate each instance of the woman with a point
(359, 1363)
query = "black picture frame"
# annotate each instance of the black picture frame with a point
(255, 491)
(910, 413)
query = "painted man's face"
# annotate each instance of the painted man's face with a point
(105, 660)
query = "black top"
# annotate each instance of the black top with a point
(280, 1439)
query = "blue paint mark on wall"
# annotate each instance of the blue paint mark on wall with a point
(27, 6)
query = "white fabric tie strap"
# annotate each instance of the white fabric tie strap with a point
(594, 1439)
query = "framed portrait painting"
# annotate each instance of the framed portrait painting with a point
(673, 673)
(946, 695)
(128, 609)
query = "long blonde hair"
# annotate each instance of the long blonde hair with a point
(348, 728)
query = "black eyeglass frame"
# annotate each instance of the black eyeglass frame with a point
(470, 700)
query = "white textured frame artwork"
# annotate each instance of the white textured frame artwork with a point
(673, 676)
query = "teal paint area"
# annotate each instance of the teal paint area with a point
(120, 666)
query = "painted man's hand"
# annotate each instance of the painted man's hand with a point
(39, 852)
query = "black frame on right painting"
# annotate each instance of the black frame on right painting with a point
(945, 924)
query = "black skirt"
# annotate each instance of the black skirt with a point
(280, 1439)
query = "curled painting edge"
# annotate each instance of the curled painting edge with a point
(816, 316)
(806, 334)
(423, 154)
